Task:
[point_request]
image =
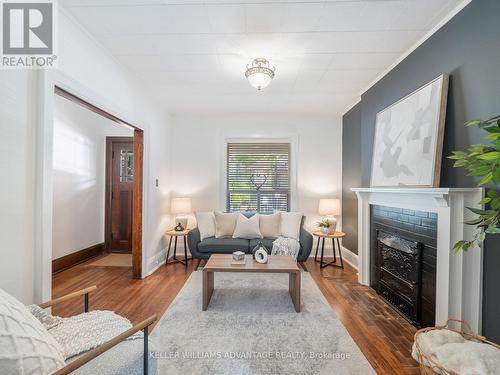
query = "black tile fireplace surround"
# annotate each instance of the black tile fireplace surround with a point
(403, 261)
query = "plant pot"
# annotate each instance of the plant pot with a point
(325, 230)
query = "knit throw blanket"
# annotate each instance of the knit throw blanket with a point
(286, 246)
(81, 333)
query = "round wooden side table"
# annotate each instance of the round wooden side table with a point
(176, 234)
(334, 236)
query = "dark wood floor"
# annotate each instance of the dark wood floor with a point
(382, 335)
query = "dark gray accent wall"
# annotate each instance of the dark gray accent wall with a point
(351, 165)
(468, 49)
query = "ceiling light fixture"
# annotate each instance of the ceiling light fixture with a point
(260, 74)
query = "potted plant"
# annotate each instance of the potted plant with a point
(483, 160)
(326, 226)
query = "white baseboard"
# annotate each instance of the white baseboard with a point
(347, 255)
(350, 258)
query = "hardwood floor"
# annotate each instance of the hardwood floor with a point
(383, 336)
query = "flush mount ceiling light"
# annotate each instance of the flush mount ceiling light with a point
(260, 74)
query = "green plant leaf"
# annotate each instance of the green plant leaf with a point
(492, 230)
(491, 193)
(486, 179)
(472, 122)
(493, 129)
(495, 204)
(478, 211)
(490, 155)
(485, 201)
(474, 221)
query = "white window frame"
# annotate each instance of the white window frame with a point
(292, 139)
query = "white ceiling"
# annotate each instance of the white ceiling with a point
(192, 53)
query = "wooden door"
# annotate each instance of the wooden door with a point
(121, 188)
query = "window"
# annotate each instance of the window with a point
(258, 177)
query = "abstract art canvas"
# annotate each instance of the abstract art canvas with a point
(409, 138)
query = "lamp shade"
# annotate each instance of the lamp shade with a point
(329, 207)
(180, 206)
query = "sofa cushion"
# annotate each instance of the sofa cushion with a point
(267, 242)
(223, 245)
(247, 227)
(270, 225)
(206, 224)
(225, 224)
(291, 223)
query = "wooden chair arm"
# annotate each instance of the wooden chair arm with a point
(72, 366)
(68, 296)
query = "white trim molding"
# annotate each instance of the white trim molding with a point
(458, 276)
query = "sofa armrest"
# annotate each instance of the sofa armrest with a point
(306, 244)
(193, 239)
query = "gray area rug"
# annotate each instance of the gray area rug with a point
(251, 327)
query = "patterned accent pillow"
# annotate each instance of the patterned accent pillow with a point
(25, 345)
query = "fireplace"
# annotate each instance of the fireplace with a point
(456, 287)
(404, 261)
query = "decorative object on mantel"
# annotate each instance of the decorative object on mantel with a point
(328, 208)
(483, 161)
(260, 73)
(443, 350)
(408, 140)
(181, 206)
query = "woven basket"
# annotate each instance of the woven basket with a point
(429, 366)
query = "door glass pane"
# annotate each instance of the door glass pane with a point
(126, 166)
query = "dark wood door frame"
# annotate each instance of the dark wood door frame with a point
(138, 176)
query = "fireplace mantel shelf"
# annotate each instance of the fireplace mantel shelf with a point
(403, 190)
(458, 276)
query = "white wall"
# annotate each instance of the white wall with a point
(198, 148)
(79, 165)
(26, 118)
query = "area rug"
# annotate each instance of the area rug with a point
(251, 327)
(113, 260)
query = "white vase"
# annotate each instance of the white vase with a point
(333, 226)
(325, 230)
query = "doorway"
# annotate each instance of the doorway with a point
(125, 225)
(119, 194)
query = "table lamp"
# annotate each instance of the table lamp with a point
(181, 207)
(329, 208)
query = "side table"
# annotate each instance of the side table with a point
(334, 236)
(176, 234)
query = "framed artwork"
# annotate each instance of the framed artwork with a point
(408, 142)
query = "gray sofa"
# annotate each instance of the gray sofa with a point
(211, 245)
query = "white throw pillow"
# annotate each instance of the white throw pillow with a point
(270, 225)
(290, 224)
(26, 347)
(225, 224)
(247, 227)
(206, 224)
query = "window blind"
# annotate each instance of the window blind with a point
(258, 177)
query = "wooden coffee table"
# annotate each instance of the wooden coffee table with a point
(276, 264)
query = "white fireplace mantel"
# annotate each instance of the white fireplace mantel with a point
(458, 276)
